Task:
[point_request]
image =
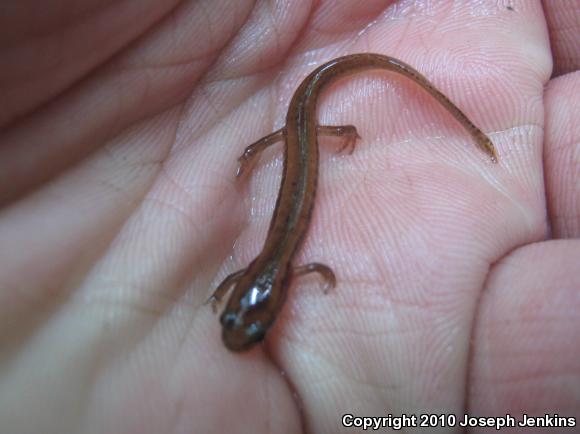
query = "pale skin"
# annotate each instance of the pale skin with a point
(121, 213)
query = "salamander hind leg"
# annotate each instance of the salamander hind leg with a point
(324, 270)
(223, 289)
(347, 132)
(251, 153)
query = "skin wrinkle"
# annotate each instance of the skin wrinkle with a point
(185, 278)
(34, 32)
(154, 307)
(220, 79)
(137, 202)
(273, 28)
(219, 114)
(475, 318)
(124, 67)
(561, 376)
(335, 371)
(119, 161)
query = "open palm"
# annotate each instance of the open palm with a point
(121, 126)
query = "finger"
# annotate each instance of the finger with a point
(151, 76)
(564, 27)
(524, 338)
(561, 150)
(43, 54)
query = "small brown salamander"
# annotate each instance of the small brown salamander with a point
(259, 291)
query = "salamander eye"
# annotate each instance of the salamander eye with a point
(256, 330)
(229, 319)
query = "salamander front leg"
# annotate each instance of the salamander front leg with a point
(248, 158)
(324, 270)
(223, 289)
(348, 132)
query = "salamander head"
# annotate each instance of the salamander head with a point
(248, 315)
